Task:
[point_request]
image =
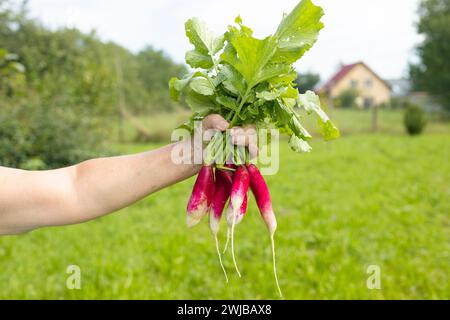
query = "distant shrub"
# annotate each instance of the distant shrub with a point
(414, 119)
(41, 137)
(347, 99)
(14, 142)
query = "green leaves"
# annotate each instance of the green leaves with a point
(297, 128)
(176, 86)
(198, 60)
(228, 102)
(251, 80)
(198, 90)
(311, 103)
(202, 86)
(298, 31)
(198, 81)
(251, 56)
(271, 95)
(199, 103)
(234, 82)
(205, 43)
(299, 145)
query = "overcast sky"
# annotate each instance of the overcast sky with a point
(379, 32)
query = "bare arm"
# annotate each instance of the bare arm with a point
(33, 199)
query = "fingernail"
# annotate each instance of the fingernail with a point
(222, 125)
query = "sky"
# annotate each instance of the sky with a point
(381, 33)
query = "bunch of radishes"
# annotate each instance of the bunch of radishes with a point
(247, 80)
(215, 186)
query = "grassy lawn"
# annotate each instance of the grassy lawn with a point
(362, 200)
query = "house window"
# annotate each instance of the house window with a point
(354, 84)
(369, 83)
(368, 102)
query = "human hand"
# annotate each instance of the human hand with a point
(240, 136)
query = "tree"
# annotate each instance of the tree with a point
(10, 72)
(60, 89)
(155, 71)
(432, 73)
(307, 81)
(67, 67)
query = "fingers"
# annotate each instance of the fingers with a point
(253, 151)
(243, 136)
(240, 136)
(215, 121)
(246, 136)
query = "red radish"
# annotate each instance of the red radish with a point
(201, 197)
(233, 167)
(239, 217)
(240, 214)
(261, 192)
(224, 180)
(239, 187)
(238, 194)
(222, 190)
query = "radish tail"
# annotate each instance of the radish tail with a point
(228, 240)
(232, 245)
(275, 265)
(220, 258)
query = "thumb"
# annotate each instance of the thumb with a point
(215, 121)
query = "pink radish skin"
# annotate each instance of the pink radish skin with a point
(261, 192)
(262, 195)
(201, 198)
(239, 190)
(241, 213)
(239, 187)
(231, 173)
(222, 189)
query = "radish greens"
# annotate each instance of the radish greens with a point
(249, 80)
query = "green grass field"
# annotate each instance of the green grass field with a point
(362, 200)
(349, 121)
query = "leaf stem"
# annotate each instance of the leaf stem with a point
(243, 101)
(212, 157)
(220, 167)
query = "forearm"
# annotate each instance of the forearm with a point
(108, 184)
(33, 199)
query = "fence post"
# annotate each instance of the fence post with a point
(374, 118)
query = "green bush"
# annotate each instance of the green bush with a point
(14, 144)
(414, 119)
(347, 99)
(41, 137)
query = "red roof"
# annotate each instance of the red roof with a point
(338, 76)
(343, 72)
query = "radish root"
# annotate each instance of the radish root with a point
(272, 240)
(232, 244)
(228, 240)
(220, 258)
